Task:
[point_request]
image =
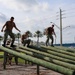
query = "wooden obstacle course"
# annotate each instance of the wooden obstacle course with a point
(40, 62)
(46, 58)
(41, 51)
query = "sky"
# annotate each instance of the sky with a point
(36, 15)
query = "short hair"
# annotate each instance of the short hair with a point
(27, 32)
(12, 17)
(52, 25)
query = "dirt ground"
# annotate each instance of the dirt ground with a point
(23, 69)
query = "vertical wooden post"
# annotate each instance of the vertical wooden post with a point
(16, 60)
(5, 60)
(38, 70)
(25, 61)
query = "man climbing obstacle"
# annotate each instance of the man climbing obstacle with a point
(25, 40)
(8, 31)
(49, 32)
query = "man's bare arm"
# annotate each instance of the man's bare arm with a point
(3, 28)
(17, 29)
(54, 34)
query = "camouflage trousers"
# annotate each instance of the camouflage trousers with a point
(6, 36)
(49, 37)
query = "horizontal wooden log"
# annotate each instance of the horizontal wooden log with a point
(59, 50)
(64, 48)
(40, 62)
(42, 56)
(49, 55)
(54, 53)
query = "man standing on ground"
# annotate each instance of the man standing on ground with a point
(49, 33)
(9, 25)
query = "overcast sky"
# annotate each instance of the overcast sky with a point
(36, 15)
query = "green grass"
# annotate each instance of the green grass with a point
(1, 53)
(1, 59)
(19, 59)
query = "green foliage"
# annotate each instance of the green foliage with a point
(18, 35)
(29, 33)
(38, 34)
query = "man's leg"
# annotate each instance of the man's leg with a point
(47, 41)
(25, 42)
(28, 42)
(52, 40)
(13, 38)
(5, 38)
(5, 53)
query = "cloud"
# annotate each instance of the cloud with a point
(32, 5)
(3, 17)
(9, 4)
(18, 4)
(28, 3)
(25, 5)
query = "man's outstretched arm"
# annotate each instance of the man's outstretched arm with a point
(17, 29)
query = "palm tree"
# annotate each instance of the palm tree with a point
(29, 33)
(38, 34)
(45, 31)
(18, 35)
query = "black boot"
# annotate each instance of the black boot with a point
(52, 45)
(3, 45)
(12, 45)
